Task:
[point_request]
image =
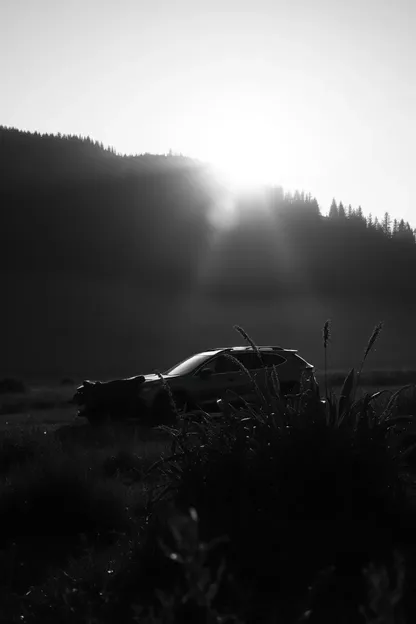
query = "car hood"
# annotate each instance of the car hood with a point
(153, 377)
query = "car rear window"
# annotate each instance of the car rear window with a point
(271, 359)
(252, 360)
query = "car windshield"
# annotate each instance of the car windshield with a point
(190, 364)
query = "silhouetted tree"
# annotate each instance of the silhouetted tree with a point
(341, 210)
(100, 214)
(386, 225)
(333, 211)
(360, 214)
(377, 225)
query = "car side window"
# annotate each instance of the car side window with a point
(250, 360)
(212, 365)
(224, 365)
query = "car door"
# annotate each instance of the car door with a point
(260, 372)
(226, 375)
(280, 362)
(252, 363)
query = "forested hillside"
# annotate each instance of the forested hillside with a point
(80, 225)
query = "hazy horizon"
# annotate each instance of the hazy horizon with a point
(314, 96)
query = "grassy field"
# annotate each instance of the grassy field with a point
(128, 524)
(50, 404)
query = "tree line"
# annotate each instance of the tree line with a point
(75, 207)
(391, 228)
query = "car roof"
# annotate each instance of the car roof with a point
(262, 349)
(248, 348)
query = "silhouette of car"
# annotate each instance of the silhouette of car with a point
(200, 381)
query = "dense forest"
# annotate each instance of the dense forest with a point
(74, 212)
(70, 205)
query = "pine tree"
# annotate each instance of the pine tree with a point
(341, 211)
(350, 212)
(386, 225)
(333, 211)
(314, 207)
(377, 225)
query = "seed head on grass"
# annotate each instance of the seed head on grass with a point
(370, 344)
(250, 341)
(257, 351)
(249, 375)
(168, 389)
(373, 338)
(326, 333)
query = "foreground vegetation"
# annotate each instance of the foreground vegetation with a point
(292, 510)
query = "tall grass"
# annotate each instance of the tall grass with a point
(370, 345)
(297, 487)
(290, 510)
(326, 335)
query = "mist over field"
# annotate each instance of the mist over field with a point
(113, 265)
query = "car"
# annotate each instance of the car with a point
(202, 381)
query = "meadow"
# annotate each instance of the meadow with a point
(292, 511)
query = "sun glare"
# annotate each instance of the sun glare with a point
(250, 145)
(245, 182)
(243, 163)
(241, 174)
(237, 138)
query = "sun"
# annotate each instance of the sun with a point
(246, 179)
(242, 162)
(241, 173)
(250, 145)
(238, 139)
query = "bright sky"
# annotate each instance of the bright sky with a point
(318, 95)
